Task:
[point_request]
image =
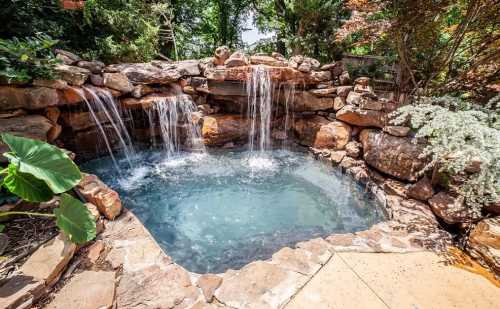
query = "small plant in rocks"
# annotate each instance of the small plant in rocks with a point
(463, 139)
(38, 171)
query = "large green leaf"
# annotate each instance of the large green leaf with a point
(75, 220)
(26, 186)
(44, 161)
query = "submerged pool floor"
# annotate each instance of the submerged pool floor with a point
(212, 212)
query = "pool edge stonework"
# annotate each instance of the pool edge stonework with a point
(149, 278)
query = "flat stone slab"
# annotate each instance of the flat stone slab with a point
(86, 290)
(393, 280)
(259, 285)
(149, 278)
(48, 261)
(20, 292)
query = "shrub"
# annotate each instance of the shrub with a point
(36, 172)
(22, 60)
(460, 135)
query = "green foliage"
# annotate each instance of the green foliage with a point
(75, 220)
(442, 45)
(303, 27)
(459, 136)
(21, 60)
(124, 30)
(44, 161)
(26, 186)
(202, 26)
(36, 172)
(373, 70)
(113, 30)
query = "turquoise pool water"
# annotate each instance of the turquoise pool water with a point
(212, 212)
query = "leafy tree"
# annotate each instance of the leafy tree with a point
(124, 30)
(441, 45)
(113, 30)
(302, 27)
(36, 172)
(202, 26)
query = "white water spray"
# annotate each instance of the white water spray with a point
(174, 112)
(102, 103)
(259, 91)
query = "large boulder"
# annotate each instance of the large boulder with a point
(236, 59)
(31, 126)
(396, 156)
(306, 101)
(335, 134)
(363, 118)
(451, 209)
(268, 60)
(98, 193)
(27, 98)
(221, 129)
(484, 243)
(320, 133)
(222, 53)
(117, 81)
(75, 76)
(156, 72)
(66, 56)
(93, 66)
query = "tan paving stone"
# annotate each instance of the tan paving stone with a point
(87, 290)
(393, 280)
(335, 286)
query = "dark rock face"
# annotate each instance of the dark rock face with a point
(450, 208)
(221, 129)
(396, 156)
(421, 190)
(307, 101)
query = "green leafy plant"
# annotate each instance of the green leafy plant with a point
(463, 139)
(36, 172)
(22, 60)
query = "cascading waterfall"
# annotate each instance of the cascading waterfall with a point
(259, 91)
(289, 100)
(103, 104)
(171, 112)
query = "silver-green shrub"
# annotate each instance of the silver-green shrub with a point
(463, 139)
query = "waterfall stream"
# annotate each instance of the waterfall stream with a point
(259, 91)
(102, 103)
(172, 113)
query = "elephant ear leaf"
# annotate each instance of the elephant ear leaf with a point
(26, 186)
(75, 220)
(44, 161)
